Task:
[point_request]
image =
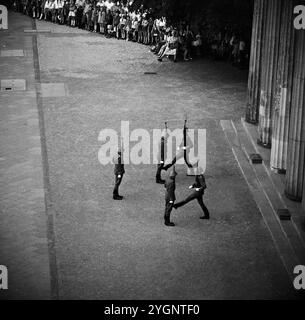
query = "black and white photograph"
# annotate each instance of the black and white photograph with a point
(152, 151)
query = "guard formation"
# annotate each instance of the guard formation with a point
(197, 187)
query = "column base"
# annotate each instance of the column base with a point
(249, 120)
(278, 171)
(292, 197)
(265, 145)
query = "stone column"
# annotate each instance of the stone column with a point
(296, 137)
(269, 67)
(283, 89)
(252, 111)
(303, 197)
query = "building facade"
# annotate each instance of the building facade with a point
(276, 87)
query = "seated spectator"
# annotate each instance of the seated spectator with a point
(171, 47)
(162, 43)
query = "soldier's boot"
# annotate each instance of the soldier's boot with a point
(117, 197)
(169, 224)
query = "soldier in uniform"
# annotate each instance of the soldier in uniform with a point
(170, 186)
(198, 191)
(118, 172)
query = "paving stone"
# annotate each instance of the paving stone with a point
(11, 53)
(23, 234)
(53, 90)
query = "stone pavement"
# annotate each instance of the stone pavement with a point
(23, 227)
(122, 250)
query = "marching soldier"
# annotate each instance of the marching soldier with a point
(118, 172)
(198, 191)
(170, 197)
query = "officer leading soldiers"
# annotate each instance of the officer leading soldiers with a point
(119, 171)
(170, 186)
(198, 191)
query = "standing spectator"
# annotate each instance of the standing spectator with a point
(135, 28)
(60, 16)
(140, 30)
(109, 19)
(66, 10)
(128, 28)
(155, 32)
(79, 12)
(43, 2)
(150, 31)
(102, 19)
(47, 10)
(145, 29)
(72, 13)
(53, 8)
(123, 24)
(242, 53)
(94, 17)
(189, 37)
(116, 22)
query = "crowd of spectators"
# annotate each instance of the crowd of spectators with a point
(113, 19)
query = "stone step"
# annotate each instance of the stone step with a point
(281, 242)
(276, 201)
(295, 208)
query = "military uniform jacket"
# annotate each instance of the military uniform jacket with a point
(118, 165)
(200, 183)
(170, 187)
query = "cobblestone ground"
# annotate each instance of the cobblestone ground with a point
(122, 250)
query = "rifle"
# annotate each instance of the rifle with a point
(163, 144)
(184, 144)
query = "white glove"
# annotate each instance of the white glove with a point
(190, 187)
(197, 189)
(119, 176)
(171, 202)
